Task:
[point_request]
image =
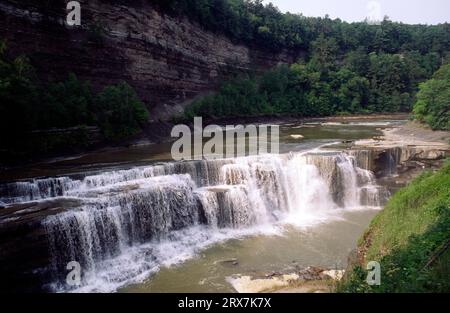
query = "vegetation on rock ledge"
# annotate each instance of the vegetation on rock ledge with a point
(31, 112)
(361, 83)
(410, 239)
(252, 22)
(349, 67)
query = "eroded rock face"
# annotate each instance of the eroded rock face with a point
(392, 161)
(168, 60)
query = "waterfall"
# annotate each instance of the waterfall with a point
(349, 188)
(392, 158)
(37, 189)
(127, 216)
(309, 190)
(202, 172)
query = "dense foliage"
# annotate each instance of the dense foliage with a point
(360, 83)
(29, 108)
(350, 67)
(410, 239)
(433, 100)
(252, 21)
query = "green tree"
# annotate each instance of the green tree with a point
(119, 111)
(324, 52)
(433, 100)
(19, 96)
(66, 104)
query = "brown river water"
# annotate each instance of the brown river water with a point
(311, 228)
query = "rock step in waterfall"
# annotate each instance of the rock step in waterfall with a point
(120, 212)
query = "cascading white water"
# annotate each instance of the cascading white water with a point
(309, 191)
(347, 170)
(210, 206)
(127, 216)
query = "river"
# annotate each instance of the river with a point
(137, 222)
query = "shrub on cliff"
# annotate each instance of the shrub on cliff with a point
(19, 95)
(119, 111)
(65, 104)
(30, 108)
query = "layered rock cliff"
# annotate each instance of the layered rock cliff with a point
(168, 60)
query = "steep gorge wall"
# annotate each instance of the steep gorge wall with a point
(168, 60)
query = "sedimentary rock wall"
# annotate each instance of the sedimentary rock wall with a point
(168, 60)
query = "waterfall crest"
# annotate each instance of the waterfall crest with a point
(126, 210)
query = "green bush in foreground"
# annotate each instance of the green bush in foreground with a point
(410, 239)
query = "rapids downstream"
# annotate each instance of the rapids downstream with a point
(125, 225)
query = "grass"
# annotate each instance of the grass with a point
(408, 238)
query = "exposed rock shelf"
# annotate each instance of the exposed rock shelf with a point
(410, 146)
(309, 280)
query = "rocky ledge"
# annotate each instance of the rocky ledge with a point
(407, 148)
(428, 144)
(308, 280)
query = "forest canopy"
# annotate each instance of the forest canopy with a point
(349, 67)
(251, 21)
(360, 83)
(345, 68)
